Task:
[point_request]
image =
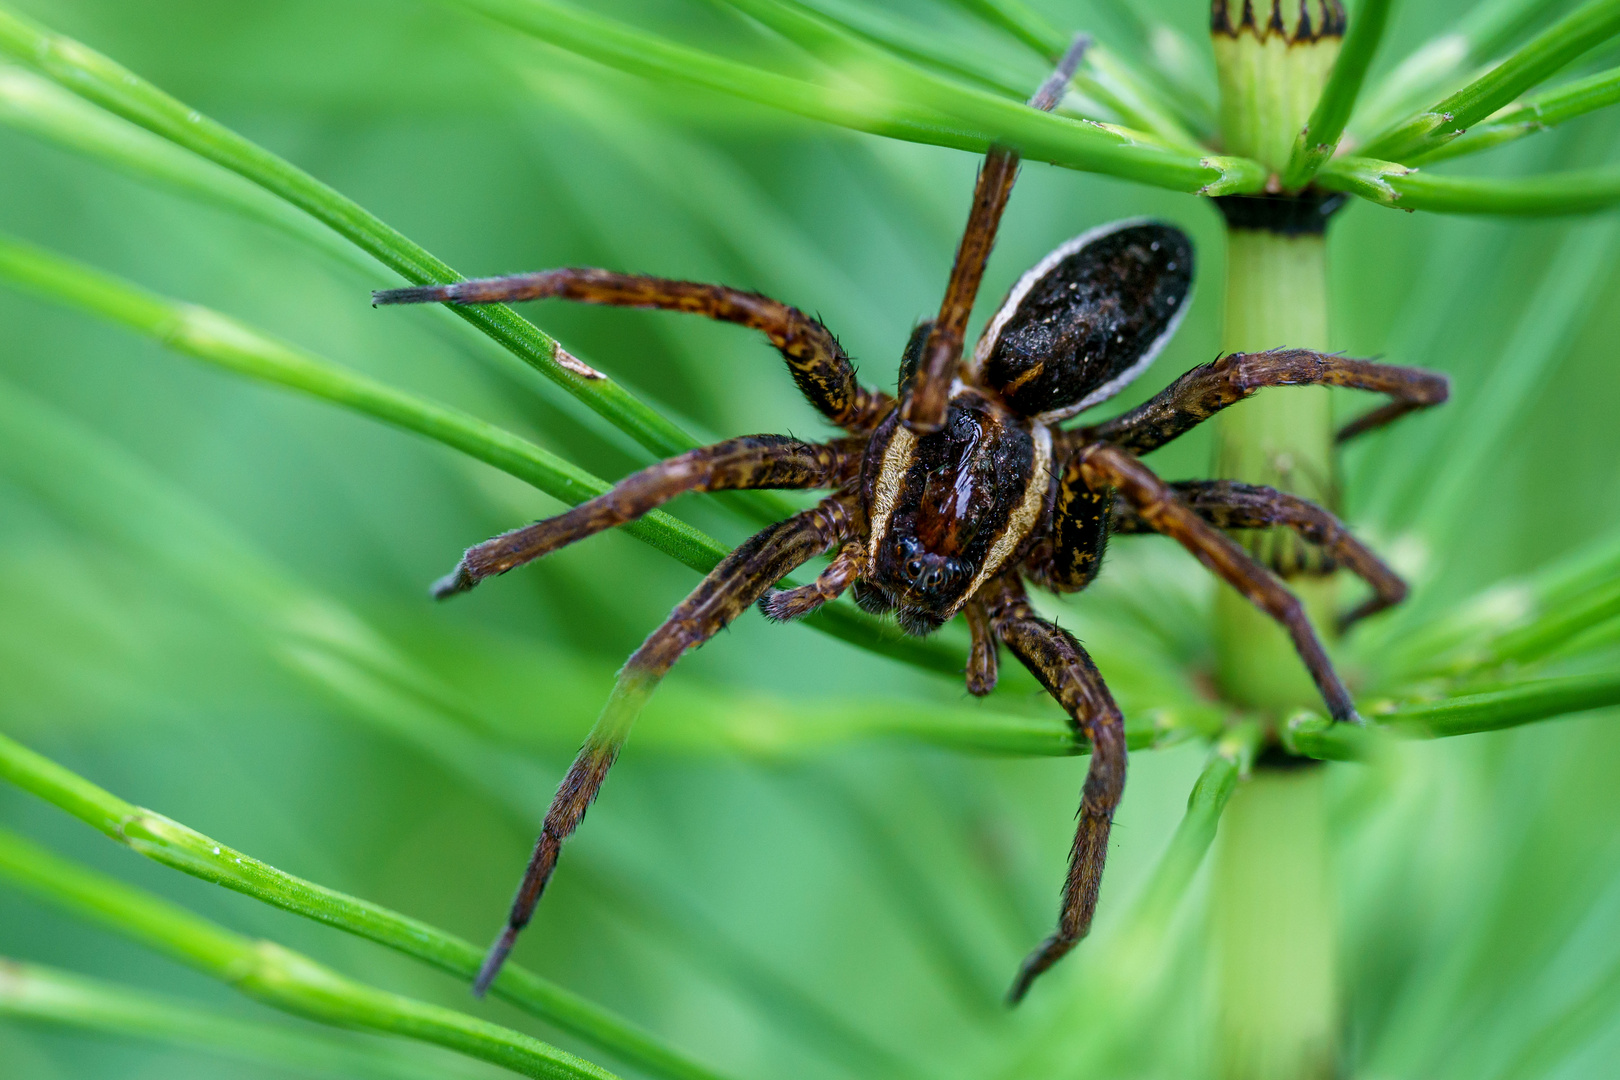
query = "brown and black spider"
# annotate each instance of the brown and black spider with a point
(947, 500)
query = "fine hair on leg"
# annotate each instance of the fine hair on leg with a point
(817, 362)
(924, 410)
(1206, 390)
(784, 605)
(1153, 500)
(726, 592)
(1227, 504)
(1055, 658)
(752, 462)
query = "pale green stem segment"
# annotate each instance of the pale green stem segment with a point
(45, 995)
(942, 113)
(174, 845)
(1562, 194)
(1589, 25)
(220, 340)
(1487, 29)
(1538, 112)
(272, 974)
(118, 90)
(1320, 136)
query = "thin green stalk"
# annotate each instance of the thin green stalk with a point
(166, 841)
(1579, 191)
(218, 339)
(45, 995)
(943, 113)
(1320, 137)
(113, 87)
(1538, 112)
(270, 973)
(1591, 24)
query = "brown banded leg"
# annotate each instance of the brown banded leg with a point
(818, 363)
(752, 462)
(1154, 501)
(1055, 658)
(783, 605)
(924, 410)
(1227, 504)
(984, 661)
(1206, 390)
(729, 589)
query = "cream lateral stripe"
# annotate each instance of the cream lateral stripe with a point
(1024, 518)
(896, 463)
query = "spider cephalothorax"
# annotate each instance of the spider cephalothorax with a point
(948, 499)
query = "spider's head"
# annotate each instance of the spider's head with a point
(949, 509)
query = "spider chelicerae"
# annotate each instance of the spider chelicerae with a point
(950, 498)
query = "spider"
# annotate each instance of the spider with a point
(950, 498)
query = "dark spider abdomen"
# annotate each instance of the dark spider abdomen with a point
(1086, 320)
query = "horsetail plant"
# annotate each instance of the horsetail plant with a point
(1295, 125)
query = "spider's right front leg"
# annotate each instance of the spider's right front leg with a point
(752, 462)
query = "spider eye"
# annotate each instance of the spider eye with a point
(914, 568)
(934, 578)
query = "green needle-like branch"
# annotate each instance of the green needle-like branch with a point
(118, 90)
(1579, 191)
(1545, 54)
(1538, 112)
(45, 995)
(174, 845)
(272, 974)
(1321, 134)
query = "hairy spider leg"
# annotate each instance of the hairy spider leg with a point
(752, 462)
(1206, 390)
(783, 605)
(924, 410)
(1227, 504)
(728, 590)
(1055, 658)
(819, 365)
(984, 661)
(1106, 465)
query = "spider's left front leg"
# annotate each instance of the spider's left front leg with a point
(1055, 658)
(1107, 466)
(740, 579)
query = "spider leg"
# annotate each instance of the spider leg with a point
(1106, 465)
(782, 605)
(1227, 504)
(751, 462)
(1055, 658)
(924, 410)
(817, 362)
(729, 589)
(1206, 390)
(984, 660)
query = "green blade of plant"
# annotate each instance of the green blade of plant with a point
(1544, 55)
(218, 339)
(1482, 33)
(942, 114)
(1538, 112)
(1320, 136)
(45, 995)
(172, 844)
(100, 80)
(1578, 191)
(271, 973)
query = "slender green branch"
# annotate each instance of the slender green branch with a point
(1320, 136)
(174, 845)
(1589, 25)
(1022, 22)
(1579, 191)
(45, 995)
(270, 973)
(1536, 113)
(942, 114)
(100, 80)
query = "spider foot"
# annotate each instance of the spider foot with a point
(416, 294)
(785, 605)
(459, 580)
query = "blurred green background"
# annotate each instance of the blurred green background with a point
(777, 907)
